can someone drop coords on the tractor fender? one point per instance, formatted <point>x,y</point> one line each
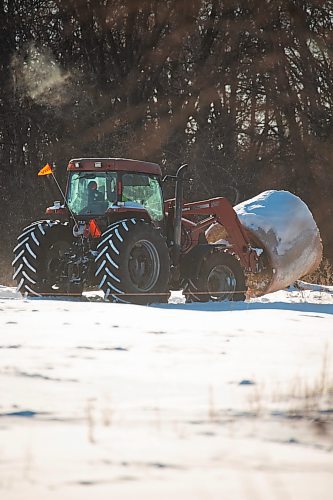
<point>129,210</point>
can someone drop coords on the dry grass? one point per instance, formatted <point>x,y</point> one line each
<point>323,275</point>
<point>312,397</point>
<point>303,398</point>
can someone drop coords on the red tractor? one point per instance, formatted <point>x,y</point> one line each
<point>115,232</point>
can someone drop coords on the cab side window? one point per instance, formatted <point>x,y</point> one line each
<point>146,191</point>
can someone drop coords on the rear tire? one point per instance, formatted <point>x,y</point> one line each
<point>37,263</point>
<point>133,264</point>
<point>218,277</point>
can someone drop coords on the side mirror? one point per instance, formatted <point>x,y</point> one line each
<point>179,174</point>
<point>169,177</point>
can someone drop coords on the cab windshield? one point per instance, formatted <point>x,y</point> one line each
<point>91,193</point>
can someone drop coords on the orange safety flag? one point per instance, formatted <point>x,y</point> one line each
<point>46,170</point>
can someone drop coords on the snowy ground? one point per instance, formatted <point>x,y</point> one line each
<point>211,401</point>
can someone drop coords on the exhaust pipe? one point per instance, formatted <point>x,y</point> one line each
<point>178,213</point>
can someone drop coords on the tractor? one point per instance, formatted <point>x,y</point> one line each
<point>115,232</point>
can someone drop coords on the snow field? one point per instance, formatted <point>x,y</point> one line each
<point>229,400</point>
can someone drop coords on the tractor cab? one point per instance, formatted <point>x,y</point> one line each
<point>99,186</point>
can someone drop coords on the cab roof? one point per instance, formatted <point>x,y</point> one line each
<point>115,164</point>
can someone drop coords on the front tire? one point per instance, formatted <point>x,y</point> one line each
<point>217,277</point>
<point>133,264</point>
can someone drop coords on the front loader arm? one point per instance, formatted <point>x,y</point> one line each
<point>219,210</point>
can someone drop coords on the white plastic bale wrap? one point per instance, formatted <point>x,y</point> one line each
<point>283,225</point>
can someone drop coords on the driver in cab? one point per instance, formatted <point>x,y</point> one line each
<point>93,193</point>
